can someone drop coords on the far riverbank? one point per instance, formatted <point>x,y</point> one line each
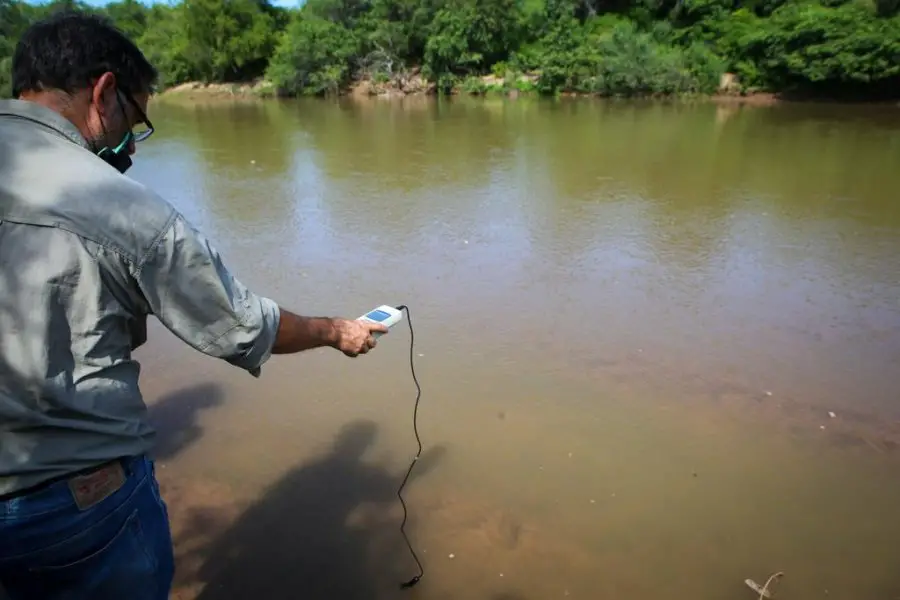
<point>415,86</point>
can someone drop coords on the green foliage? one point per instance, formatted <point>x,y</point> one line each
<point>130,16</point>
<point>808,45</point>
<point>608,47</point>
<point>313,56</point>
<point>165,46</point>
<point>206,40</point>
<point>613,57</point>
<point>12,23</point>
<point>5,77</point>
<point>468,37</point>
<point>225,40</point>
<point>474,86</point>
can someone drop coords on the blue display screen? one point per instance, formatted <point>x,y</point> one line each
<point>378,315</point>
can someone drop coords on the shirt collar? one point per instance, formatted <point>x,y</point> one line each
<point>41,115</point>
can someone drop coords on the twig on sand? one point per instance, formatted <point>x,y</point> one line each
<point>764,590</point>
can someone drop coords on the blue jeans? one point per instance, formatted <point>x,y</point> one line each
<point>119,548</point>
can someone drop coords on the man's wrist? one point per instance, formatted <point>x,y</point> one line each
<point>330,334</point>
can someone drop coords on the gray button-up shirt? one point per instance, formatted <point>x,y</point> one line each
<point>85,255</point>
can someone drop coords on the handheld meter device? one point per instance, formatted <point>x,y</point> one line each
<point>386,315</point>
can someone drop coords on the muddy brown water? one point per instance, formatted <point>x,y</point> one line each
<point>631,321</point>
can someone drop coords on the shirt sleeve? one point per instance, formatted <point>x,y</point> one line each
<point>190,290</point>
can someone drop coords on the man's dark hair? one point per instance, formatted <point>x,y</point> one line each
<point>70,49</point>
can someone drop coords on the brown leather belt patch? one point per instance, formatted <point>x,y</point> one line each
<point>90,489</point>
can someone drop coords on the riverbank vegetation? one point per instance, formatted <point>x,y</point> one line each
<point>825,48</point>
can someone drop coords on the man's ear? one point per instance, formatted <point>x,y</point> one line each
<point>103,94</point>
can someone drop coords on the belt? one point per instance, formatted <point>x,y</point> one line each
<point>87,471</point>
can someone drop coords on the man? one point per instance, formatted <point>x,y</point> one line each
<point>85,255</point>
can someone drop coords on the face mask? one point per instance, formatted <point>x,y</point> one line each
<point>118,157</point>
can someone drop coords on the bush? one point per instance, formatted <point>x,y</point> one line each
<point>313,57</point>
<point>624,61</point>
<point>474,86</point>
<point>467,38</point>
<point>809,45</point>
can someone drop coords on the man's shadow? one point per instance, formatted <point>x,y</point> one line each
<point>303,540</point>
<point>174,417</point>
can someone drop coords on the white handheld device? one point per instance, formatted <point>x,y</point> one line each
<point>386,315</point>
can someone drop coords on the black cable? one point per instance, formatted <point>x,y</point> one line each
<point>412,369</point>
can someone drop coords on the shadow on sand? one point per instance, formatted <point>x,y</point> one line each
<point>329,529</point>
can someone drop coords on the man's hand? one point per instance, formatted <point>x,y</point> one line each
<point>355,337</point>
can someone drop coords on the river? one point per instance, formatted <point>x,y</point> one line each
<point>658,346</point>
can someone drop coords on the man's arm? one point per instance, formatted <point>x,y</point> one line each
<point>187,286</point>
<point>297,333</point>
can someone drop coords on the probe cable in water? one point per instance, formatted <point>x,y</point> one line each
<point>412,369</point>
<point>390,316</point>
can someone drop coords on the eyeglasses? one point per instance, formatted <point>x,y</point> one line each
<point>143,129</point>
